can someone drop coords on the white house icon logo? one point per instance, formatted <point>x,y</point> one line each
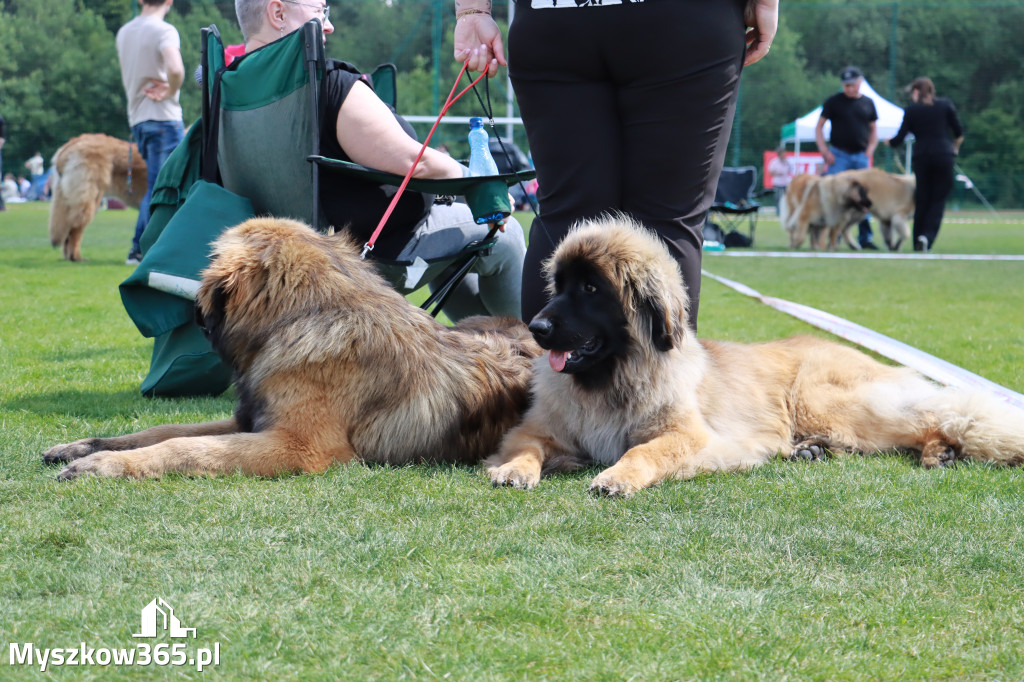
<point>160,612</point>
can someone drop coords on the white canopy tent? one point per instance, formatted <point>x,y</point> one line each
<point>890,117</point>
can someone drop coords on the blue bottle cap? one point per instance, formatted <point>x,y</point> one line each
<point>476,122</point>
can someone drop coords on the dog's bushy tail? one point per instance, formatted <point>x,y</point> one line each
<point>58,223</point>
<point>981,425</point>
<point>77,187</point>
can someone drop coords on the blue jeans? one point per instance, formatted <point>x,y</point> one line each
<point>847,161</point>
<point>156,141</point>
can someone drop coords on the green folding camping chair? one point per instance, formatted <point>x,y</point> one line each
<point>263,107</point>
<point>276,89</point>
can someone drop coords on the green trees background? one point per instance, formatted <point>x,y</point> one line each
<point>59,75</point>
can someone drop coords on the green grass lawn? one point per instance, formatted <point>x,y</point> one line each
<point>855,569</point>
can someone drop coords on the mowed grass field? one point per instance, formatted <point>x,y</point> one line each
<point>854,569</point>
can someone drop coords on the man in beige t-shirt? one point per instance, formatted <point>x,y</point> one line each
<point>152,72</point>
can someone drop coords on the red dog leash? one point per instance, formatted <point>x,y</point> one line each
<point>408,176</point>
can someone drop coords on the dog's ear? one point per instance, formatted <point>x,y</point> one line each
<point>860,192</point>
<point>864,198</point>
<point>664,319</point>
<point>660,325</point>
<point>211,319</point>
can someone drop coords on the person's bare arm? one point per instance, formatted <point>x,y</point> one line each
<point>872,139</point>
<point>819,138</point>
<point>160,90</point>
<point>371,136</point>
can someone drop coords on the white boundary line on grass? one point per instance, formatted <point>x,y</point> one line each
<point>877,256</point>
<point>929,365</point>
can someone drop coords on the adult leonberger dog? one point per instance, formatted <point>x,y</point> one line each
<point>86,169</point>
<point>822,208</point>
<point>331,364</point>
<point>826,207</point>
<point>627,384</point>
<point>892,201</point>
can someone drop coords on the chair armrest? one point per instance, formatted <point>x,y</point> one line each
<point>486,195</point>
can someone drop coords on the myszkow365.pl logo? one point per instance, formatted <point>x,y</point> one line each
<point>157,617</point>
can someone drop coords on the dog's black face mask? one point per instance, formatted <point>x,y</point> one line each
<point>584,326</point>
<point>858,197</point>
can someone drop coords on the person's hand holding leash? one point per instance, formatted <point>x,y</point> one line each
<point>478,40</point>
<point>762,20</point>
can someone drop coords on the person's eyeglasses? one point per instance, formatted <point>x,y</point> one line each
<point>323,8</point>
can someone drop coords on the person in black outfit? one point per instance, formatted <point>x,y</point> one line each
<point>628,107</point>
<point>938,134</point>
<point>854,135</point>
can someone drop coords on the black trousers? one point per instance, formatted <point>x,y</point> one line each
<point>934,174</point>
<point>628,108</point>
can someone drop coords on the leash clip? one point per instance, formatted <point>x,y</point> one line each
<point>367,248</point>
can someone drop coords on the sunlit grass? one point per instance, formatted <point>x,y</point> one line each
<point>852,569</point>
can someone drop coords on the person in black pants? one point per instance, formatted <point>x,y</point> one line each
<point>628,107</point>
<point>938,135</point>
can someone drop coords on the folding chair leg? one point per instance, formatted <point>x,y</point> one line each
<point>438,298</point>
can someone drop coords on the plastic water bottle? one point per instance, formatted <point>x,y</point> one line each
<point>480,160</point>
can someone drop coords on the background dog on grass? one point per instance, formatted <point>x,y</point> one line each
<point>822,208</point>
<point>892,202</point>
<point>331,364</point>
<point>626,384</point>
<point>826,207</point>
<point>86,169</point>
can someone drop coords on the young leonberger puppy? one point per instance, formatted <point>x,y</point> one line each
<point>331,364</point>
<point>627,384</point>
<point>86,169</point>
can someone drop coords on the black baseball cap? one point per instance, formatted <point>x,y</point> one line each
<point>849,74</point>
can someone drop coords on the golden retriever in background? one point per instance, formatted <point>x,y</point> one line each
<point>331,364</point>
<point>627,385</point>
<point>822,208</point>
<point>86,169</point>
<point>892,202</point>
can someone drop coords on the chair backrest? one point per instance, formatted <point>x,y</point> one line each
<point>263,118</point>
<point>736,184</point>
<point>385,83</point>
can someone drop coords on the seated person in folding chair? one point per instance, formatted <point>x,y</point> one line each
<point>359,127</point>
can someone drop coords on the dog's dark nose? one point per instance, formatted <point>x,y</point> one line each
<point>540,327</point>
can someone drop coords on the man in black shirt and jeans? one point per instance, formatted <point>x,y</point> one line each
<point>854,135</point>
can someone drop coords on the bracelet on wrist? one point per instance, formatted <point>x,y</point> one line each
<point>459,16</point>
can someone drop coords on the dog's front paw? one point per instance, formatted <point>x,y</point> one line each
<point>108,464</point>
<point>517,474</point>
<point>938,456</point>
<point>67,452</point>
<point>809,450</point>
<point>616,482</point>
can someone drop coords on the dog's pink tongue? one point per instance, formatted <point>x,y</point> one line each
<point>556,359</point>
